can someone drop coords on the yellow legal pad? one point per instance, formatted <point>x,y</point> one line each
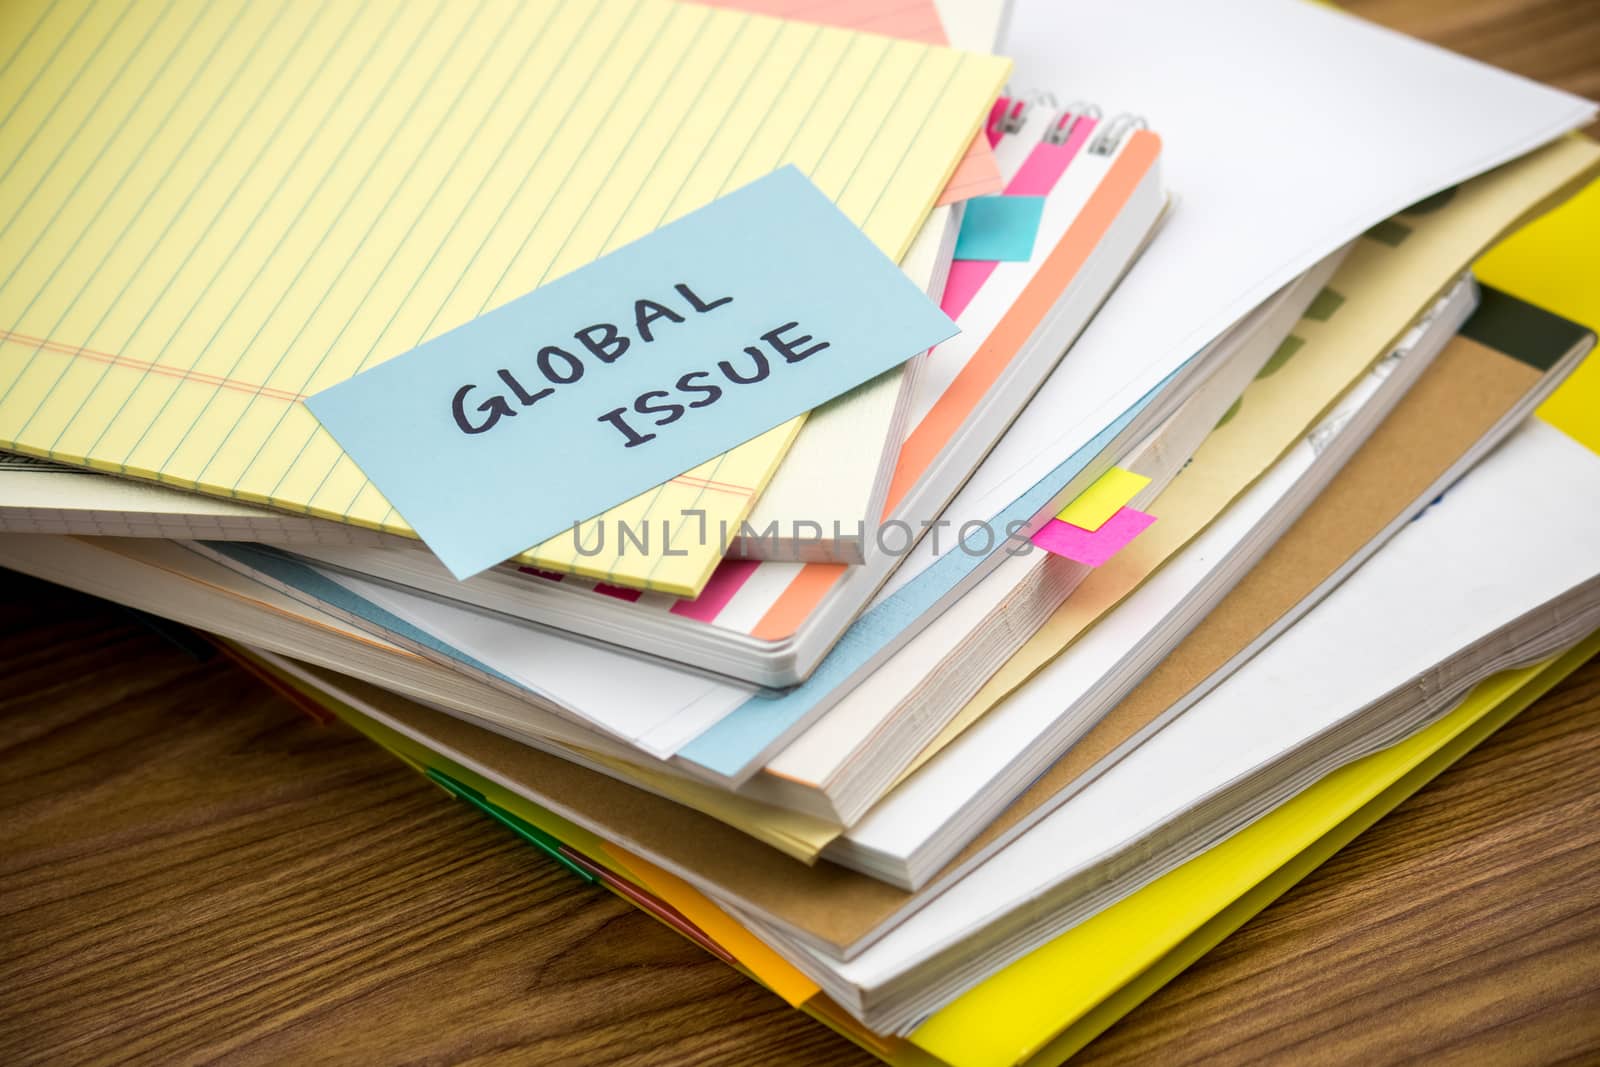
<point>210,210</point>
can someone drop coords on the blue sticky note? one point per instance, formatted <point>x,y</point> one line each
<point>999,228</point>
<point>629,371</point>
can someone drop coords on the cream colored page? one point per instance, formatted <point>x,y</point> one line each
<point>211,210</point>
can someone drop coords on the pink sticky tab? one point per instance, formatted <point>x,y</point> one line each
<point>549,576</point>
<point>726,580</point>
<point>1092,547</point>
<point>962,283</point>
<point>1046,163</point>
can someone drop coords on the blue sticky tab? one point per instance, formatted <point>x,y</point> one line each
<point>627,372</point>
<point>999,228</point>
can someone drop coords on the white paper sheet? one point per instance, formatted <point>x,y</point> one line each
<point>1288,129</point>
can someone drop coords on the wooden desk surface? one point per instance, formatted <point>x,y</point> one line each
<point>191,870</point>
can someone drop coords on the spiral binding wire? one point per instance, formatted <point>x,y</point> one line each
<point>1066,120</point>
<point>1011,121</point>
<point>1110,136</point>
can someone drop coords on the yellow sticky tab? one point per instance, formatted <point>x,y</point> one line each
<point>1109,494</point>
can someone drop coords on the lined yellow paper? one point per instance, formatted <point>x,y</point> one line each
<point>209,211</point>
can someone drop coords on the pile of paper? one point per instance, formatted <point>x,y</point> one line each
<point>928,541</point>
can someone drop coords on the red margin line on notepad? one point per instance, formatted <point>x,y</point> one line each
<point>112,358</point>
<point>149,368</point>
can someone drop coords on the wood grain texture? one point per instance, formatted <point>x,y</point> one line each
<point>190,870</point>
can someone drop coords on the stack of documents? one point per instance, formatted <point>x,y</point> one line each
<point>928,504</point>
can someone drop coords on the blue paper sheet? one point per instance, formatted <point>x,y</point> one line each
<point>629,371</point>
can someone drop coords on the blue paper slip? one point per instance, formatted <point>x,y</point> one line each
<point>629,371</point>
<point>999,228</point>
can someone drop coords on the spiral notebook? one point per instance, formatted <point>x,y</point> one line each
<point>220,208</point>
<point>828,493</point>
